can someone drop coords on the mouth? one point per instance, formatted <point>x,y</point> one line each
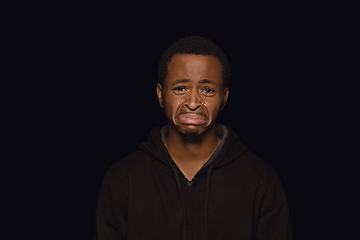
<point>191,119</point>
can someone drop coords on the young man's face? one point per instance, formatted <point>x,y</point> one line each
<point>193,94</point>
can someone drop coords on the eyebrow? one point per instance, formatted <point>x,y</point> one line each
<point>188,80</point>
<point>180,81</point>
<point>207,81</point>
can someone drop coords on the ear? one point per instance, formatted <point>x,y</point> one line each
<point>159,94</point>
<point>226,95</point>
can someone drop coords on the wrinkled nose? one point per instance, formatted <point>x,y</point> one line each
<point>193,102</point>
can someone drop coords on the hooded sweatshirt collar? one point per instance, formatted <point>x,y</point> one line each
<point>228,149</point>
<point>221,131</point>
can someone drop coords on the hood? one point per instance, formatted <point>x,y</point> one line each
<point>229,149</point>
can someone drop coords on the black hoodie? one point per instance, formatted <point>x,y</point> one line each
<point>235,195</point>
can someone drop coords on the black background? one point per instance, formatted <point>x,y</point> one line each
<point>290,102</point>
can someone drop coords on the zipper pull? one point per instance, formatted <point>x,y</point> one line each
<point>190,183</point>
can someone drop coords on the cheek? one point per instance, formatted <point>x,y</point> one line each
<point>172,104</point>
<point>213,106</point>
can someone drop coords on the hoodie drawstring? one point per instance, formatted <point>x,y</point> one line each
<point>207,189</point>
<point>182,200</point>
<point>207,200</point>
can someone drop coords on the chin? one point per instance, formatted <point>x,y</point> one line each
<point>192,132</point>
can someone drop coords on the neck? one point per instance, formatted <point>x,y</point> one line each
<point>191,154</point>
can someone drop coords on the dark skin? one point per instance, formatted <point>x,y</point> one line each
<point>192,97</point>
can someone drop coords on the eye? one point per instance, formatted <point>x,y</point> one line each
<point>208,91</point>
<point>179,90</point>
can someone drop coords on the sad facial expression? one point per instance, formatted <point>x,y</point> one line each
<point>192,94</point>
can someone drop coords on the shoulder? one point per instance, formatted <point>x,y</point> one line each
<point>254,168</point>
<point>119,175</point>
<point>255,163</point>
<point>134,161</point>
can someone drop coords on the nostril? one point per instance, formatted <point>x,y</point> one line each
<point>193,103</point>
<point>193,107</point>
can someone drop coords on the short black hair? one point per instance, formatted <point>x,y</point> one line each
<point>196,45</point>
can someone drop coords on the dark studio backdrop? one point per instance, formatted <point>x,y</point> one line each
<point>286,104</point>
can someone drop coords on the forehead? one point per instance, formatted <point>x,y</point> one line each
<point>194,67</point>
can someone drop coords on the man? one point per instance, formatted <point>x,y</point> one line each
<point>192,179</point>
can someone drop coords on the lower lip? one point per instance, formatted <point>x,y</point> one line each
<point>191,121</point>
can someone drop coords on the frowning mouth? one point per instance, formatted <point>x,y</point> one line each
<point>191,118</point>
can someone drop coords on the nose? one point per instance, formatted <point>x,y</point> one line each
<point>193,102</point>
